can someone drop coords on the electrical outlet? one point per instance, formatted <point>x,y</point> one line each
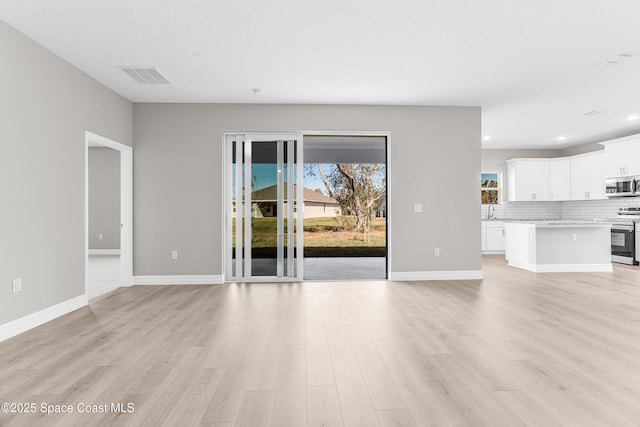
<point>436,251</point>
<point>99,236</point>
<point>574,236</point>
<point>17,285</point>
<point>174,254</point>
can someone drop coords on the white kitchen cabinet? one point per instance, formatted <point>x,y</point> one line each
<point>579,177</point>
<point>587,176</point>
<point>633,153</point>
<point>483,233</point>
<point>528,180</point>
<point>559,179</point>
<point>622,158</point>
<point>616,159</point>
<point>493,236</point>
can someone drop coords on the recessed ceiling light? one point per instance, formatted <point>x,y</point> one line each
<point>257,91</point>
<point>486,138</point>
<point>561,138</point>
<point>633,117</point>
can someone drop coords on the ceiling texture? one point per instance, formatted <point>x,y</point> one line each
<point>540,69</point>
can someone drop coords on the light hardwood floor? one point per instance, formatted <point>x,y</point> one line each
<point>517,348</point>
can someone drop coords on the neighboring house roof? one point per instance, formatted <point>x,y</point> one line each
<point>269,194</point>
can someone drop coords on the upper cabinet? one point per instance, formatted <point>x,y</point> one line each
<point>587,176</point>
<point>559,179</point>
<point>578,177</point>
<point>622,157</point>
<point>528,180</point>
<point>616,160</point>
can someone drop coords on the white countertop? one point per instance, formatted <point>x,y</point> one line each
<point>509,219</point>
<point>570,224</point>
<point>560,223</point>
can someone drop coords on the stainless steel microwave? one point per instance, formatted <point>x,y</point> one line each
<point>620,187</point>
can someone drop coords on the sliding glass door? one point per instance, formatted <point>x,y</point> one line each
<point>264,209</point>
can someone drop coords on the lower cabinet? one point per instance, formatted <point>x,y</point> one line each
<point>492,236</point>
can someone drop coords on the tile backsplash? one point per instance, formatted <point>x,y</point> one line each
<point>581,210</point>
<point>590,209</point>
<point>525,210</point>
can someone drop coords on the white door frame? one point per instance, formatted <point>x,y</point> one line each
<point>225,152</point>
<point>228,214</point>
<point>126,207</point>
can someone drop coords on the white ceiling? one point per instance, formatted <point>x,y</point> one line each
<point>528,63</point>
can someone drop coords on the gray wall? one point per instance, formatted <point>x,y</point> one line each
<point>581,149</point>
<point>178,169</point>
<point>104,198</point>
<point>45,107</point>
<point>493,159</point>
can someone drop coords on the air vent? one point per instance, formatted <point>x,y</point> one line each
<point>613,60</point>
<point>146,75</point>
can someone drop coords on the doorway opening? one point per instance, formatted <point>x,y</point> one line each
<point>347,239</point>
<point>108,215</point>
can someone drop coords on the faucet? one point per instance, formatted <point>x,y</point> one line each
<point>491,213</point>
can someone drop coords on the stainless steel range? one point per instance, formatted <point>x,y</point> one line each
<point>625,236</point>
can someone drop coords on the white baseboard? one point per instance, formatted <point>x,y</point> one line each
<point>104,251</point>
<point>572,268</point>
<point>179,280</point>
<point>436,275</point>
<point>38,318</point>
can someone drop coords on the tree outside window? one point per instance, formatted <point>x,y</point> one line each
<point>489,188</point>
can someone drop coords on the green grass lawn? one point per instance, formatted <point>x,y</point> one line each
<point>323,237</point>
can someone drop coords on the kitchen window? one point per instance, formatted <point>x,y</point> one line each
<point>489,188</point>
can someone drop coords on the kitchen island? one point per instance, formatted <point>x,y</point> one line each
<point>558,246</point>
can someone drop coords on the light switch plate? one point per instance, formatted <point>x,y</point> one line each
<point>417,208</point>
<point>17,285</point>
